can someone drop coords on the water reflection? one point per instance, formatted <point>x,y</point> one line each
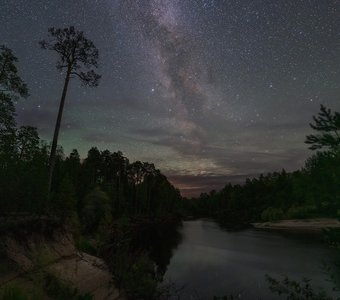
<point>159,242</point>
<point>211,261</point>
<point>163,247</point>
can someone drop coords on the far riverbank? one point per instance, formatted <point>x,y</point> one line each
<point>308,225</point>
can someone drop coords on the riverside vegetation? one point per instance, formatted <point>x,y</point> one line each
<point>310,192</point>
<point>119,210</point>
<point>94,196</point>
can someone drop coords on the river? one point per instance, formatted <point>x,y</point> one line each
<point>210,261</point>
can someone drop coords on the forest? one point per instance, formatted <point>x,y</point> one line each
<point>105,200</point>
<point>311,192</point>
<point>73,183</point>
<point>139,188</point>
<point>126,206</point>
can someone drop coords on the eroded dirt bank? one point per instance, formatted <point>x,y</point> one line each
<point>31,245</point>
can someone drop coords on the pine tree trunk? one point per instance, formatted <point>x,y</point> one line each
<point>56,134</point>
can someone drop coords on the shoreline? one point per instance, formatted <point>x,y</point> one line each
<point>306,225</point>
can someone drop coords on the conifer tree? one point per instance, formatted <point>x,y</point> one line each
<point>76,53</point>
<point>328,124</point>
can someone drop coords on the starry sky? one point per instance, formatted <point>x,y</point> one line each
<point>211,91</point>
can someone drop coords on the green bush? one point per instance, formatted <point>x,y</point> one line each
<point>338,213</point>
<point>42,257</point>
<point>96,214</point>
<point>84,245</point>
<point>64,202</point>
<point>271,214</point>
<point>14,293</point>
<point>135,274</point>
<point>301,212</point>
<point>294,290</point>
<point>60,290</point>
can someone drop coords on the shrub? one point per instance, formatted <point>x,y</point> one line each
<point>60,290</point>
<point>64,204</point>
<point>271,214</point>
<point>136,275</point>
<point>301,212</point>
<point>14,293</point>
<point>96,213</point>
<point>84,245</point>
<point>294,290</point>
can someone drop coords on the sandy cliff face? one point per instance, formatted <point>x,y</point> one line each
<point>28,245</point>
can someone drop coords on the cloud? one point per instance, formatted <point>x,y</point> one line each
<point>151,132</point>
<point>45,120</point>
<point>233,167</point>
<point>99,137</point>
<point>192,186</point>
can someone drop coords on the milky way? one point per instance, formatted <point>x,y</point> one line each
<point>210,91</point>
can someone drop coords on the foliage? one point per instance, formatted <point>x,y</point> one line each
<point>10,81</point>
<point>138,253</point>
<point>310,192</point>
<point>96,211</point>
<point>136,274</point>
<point>328,124</point>
<point>11,88</point>
<point>60,290</point>
<point>302,212</point>
<point>84,245</point>
<point>332,237</point>
<point>103,186</point>
<point>7,128</point>
<point>27,140</point>
<point>271,214</point>
<point>294,290</point>
<point>14,293</point>
<point>106,185</point>
<point>76,53</point>
<point>29,173</point>
<point>65,201</point>
<point>50,286</point>
<point>41,258</point>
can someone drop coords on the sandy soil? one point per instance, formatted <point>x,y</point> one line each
<point>88,274</point>
<point>301,224</point>
<point>38,243</point>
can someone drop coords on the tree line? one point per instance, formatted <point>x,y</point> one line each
<point>139,188</point>
<point>312,191</point>
<point>36,177</point>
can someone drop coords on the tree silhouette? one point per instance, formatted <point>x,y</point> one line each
<point>10,82</point>
<point>11,88</point>
<point>328,124</point>
<point>75,53</point>
<point>27,142</point>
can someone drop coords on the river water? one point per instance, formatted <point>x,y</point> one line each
<point>210,261</point>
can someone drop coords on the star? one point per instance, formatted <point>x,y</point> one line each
<point>184,79</point>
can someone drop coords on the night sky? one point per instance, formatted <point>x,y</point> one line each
<point>209,91</point>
